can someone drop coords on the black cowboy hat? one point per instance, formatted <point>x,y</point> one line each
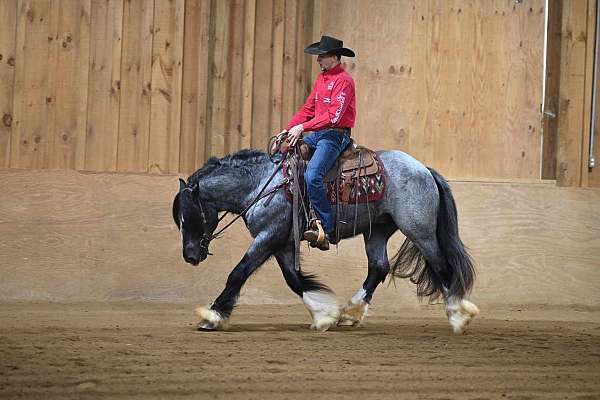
<point>330,45</point>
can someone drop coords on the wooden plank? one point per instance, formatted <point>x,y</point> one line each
<point>104,96</point>
<point>8,31</point>
<point>550,124</point>
<point>136,74</point>
<point>33,101</point>
<point>319,15</point>
<point>290,47</point>
<point>572,88</point>
<point>303,61</point>
<point>234,88</point>
<point>195,85</point>
<point>218,84</point>
<point>72,48</point>
<point>262,99</point>
<point>277,65</point>
<point>248,73</point>
<point>167,71</point>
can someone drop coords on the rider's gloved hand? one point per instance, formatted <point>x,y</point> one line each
<point>295,133</point>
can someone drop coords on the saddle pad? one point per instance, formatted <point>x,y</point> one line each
<point>363,185</point>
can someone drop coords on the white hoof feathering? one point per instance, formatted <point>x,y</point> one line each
<point>460,313</point>
<point>210,319</point>
<point>323,308</point>
<point>355,311</point>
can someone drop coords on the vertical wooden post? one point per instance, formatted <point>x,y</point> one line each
<point>8,31</point>
<point>248,73</point>
<point>550,117</point>
<point>104,93</point>
<point>167,70</point>
<point>572,88</point>
<point>70,81</point>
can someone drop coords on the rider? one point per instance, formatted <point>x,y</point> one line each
<point>329,113</point>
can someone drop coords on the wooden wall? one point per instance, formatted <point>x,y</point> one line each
<point>145,85</point>
<point>458,84</point>
<point>105,236</point>
<point>158,86</point>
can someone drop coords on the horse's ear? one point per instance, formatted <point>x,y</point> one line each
<point>182,184</point>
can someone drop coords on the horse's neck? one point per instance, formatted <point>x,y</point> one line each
<point>230,192</point>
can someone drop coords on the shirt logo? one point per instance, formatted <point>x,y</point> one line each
<point>330,86</point>
<point>327,100</point>
<point>341,99</point>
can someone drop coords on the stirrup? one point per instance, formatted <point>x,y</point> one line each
<point>317,234</point>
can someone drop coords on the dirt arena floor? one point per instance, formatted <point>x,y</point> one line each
<point>149,350</point>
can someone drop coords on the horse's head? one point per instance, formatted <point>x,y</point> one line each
<point>196,221</point>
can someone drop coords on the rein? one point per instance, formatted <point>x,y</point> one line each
<point>241,214</point>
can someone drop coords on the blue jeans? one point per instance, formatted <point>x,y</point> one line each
<point>328,145</point>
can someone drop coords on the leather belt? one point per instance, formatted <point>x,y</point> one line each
<point>346,131</point>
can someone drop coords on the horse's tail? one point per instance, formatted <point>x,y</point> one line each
<point>456,275</point>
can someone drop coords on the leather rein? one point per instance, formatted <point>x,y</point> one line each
<point>206,239</point>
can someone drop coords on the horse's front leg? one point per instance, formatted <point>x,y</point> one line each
<point>317,297</point>
<point>217,315</point>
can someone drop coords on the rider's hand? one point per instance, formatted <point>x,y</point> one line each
<point>276,143</point>
<point>295,133</point>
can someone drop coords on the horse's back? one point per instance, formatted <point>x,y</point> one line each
<point>402,167</point>
<point>410,185</point>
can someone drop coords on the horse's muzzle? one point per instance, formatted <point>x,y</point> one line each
<point>193,256</point>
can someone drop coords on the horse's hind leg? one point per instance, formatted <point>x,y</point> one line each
<point>459,311</point>
<point>317,297</point>
<point>355,310</point>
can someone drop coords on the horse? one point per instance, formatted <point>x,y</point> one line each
<point>417,201</point>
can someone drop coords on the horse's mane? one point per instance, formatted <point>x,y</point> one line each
<point>242,162</point>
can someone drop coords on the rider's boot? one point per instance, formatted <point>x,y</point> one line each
<point>317,236</point>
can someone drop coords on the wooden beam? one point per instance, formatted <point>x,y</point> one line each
<point>8,31</point>
<point>71,72</point>
<point>248,73</point>
<point>104,94</point>
<point>550,123</point>
<point>136,86</point>
<point>571,92</point>
<point>235,57</point>
<point>195,81</point>
<point>167,71</point>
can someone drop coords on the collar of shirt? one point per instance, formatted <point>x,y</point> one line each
<point>333,71</point>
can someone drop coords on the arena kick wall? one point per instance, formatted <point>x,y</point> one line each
<point>72,236</point>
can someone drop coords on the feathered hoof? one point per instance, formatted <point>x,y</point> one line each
<point>460,314</point>
<point>210,320</point>
<point>322,323</point>
<point>353,314</point>
<point>323,308</point>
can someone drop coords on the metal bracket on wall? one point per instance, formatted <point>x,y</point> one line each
<point>591,158</point>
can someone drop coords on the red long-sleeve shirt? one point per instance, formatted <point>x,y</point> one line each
<point>331,104</point>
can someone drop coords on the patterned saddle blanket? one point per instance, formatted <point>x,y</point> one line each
<point>356,177</point>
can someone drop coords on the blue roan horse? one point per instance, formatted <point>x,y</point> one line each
<point>417,201</point>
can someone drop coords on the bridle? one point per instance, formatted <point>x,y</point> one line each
<point>206,238</point>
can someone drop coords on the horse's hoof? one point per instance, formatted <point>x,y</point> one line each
<point>323,308</point>
<point>353,314</point>
<point>460,314</point>
<point>210,320</point>
<point>206,326</point>
<point>322,323</point>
